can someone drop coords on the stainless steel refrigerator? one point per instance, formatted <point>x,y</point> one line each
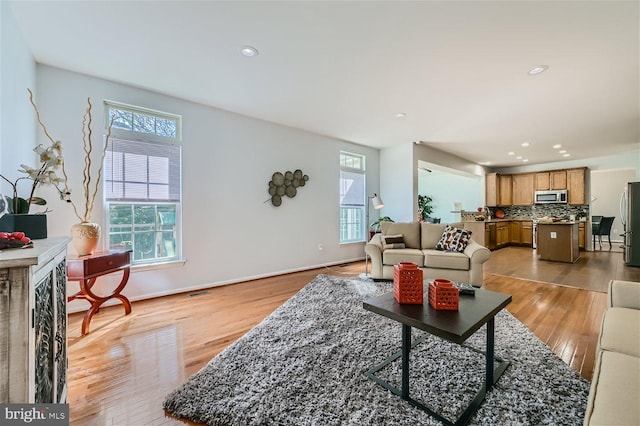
<point>630,216</point>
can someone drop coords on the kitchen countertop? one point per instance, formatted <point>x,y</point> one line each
<point>494,220</point>
<point>559,223</point>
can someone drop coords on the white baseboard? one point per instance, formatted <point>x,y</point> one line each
<point>114,302</point>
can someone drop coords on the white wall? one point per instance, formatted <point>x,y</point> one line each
<point>606,189</point>
<point>229,232</point>
<point>447,189</point>
<point>398,183</point>
<point>17,124</point>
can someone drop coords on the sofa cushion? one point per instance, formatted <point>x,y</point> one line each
<point>446,260</point>
<point>615,390</point>
<point>395,241</point>
<point>454,239</point>
<point>621,331</point>
<point>430,234</point>
<point>410,231</point>
<point>395,256</point>
<point>624,294</point>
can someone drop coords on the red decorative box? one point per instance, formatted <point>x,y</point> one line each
<point>407,283</point>
<point>443,295</point>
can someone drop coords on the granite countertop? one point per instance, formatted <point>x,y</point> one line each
<point>516,219</point>
<point>494,220</point>
<point>561,222</point>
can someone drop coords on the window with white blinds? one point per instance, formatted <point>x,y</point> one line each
<point>142,171</point>
<point>143,183</point>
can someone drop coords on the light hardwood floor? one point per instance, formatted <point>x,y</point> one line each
<point>120,373</point>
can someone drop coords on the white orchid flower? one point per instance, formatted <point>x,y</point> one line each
<point>30,171</point>
<point>39,149</point>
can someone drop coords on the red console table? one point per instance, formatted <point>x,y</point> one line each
<point>87,269</point>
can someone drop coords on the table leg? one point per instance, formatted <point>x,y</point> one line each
<point>97,301</point>
<point>406,348</point>
<point>489,355</point>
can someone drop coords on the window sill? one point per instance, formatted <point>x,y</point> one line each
<point>158,265</point>
<point>352,243</point>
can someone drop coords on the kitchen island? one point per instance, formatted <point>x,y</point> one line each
<point>558,241</point>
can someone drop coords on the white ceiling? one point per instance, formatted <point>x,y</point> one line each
<point>458,70</point>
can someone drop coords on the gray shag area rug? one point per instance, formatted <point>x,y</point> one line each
<point>305,364</point>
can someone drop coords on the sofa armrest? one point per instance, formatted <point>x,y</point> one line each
<point>624,294</point>
<point>477,253</point>
<point>374,250</point>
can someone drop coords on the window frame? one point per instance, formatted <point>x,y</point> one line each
<point>152,138</point>
<point>142,136</point>
<point>361,170</point>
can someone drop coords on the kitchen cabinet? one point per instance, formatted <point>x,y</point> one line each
<point>558,241</point>
<point>576,186</point>
<point>502,234</point>
<point>526,233</point>
<point>558,179</point>
<point>33,338</point>
<point>490,235</point>
<point>542,181</point>
<point>519,189</point>
<point>523,187</point>
<point>521,233</point>
<point>514,232</point>
<point>498,189</point>
<point>555,179</point>
<point>504,190</point>
<point>491,189</point>
<point>581,236</point>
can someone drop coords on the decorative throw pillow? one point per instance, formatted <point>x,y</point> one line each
<point>395,241</point>
<point>454,239</point>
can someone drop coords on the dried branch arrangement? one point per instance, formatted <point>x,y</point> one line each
<point>90,191</point>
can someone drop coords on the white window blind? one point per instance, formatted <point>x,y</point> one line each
<point>142,171</point>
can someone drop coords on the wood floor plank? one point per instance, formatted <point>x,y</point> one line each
<point>123,369</point>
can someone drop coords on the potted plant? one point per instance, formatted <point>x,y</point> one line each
<point>425,207</point>
<point>17,207</point>
<point>375,226</point>
<point>86,233</point>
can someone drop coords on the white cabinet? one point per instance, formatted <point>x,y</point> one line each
<point>33,323</point>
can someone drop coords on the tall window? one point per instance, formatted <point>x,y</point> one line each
<point>352,197</point>
<point>143,181</point>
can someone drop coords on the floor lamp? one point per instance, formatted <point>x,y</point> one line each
<point>377,204</point>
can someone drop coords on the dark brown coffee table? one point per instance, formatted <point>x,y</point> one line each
<point>455,326</point>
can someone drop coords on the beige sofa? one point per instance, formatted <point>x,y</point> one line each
<point>615,387</point>
<point>420,239</point>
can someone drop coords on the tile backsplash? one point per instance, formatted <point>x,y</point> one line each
<point>561,211</point>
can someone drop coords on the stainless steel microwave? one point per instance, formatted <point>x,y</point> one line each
<point>551,197</point>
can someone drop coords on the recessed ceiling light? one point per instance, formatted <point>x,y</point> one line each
<point>525,144</point>
<point>539,69</point>
<point>562,151</point>
<point>519,157</point>
<point>485,163</point>
<point>525,161</point>
<point>511,153</point>
<point>566,155</point>
<point>557,146</point>
<point>249,51</point>
<point>401,115</point>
